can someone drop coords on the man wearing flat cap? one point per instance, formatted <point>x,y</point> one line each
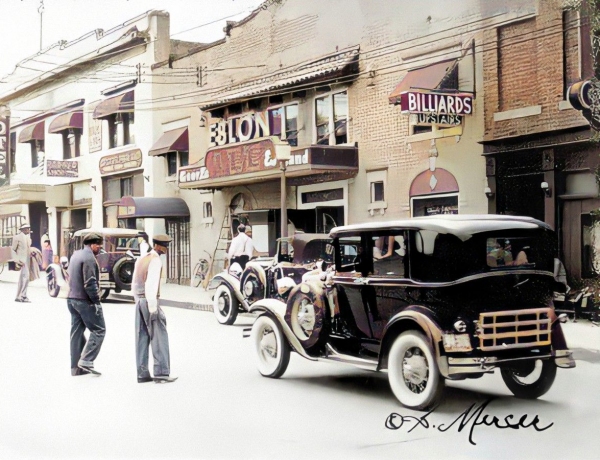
<point>150,321</point>
<point>85,307</point>
<point>21,246</point>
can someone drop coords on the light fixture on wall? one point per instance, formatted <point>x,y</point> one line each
<point>546,188</point>
<point>488,192</point>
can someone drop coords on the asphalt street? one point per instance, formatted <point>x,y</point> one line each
<point>222,408</point>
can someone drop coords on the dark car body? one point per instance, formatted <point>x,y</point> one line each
<point>473,293</point>
<point>116,260</point>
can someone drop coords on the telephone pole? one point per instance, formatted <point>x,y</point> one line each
<point>41,11</point>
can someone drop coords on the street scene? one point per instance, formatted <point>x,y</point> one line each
<point>221,407</point>
<point>300,228</point>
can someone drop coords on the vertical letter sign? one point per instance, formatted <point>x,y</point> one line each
<point>4,138</point>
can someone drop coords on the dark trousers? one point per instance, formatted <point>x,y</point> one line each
<point>242,260</point>
<point>158,340</point>
<point>84,315</point>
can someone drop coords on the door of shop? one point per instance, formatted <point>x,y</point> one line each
<point>178,256</point>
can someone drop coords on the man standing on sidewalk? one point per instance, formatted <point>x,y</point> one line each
<point>21,245</point>
<point>84,306</point>
<point>150,321</point>
<point>241,248</point>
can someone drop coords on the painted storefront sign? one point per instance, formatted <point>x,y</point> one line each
<point>436,103</point>
<point>59,168</point>
<point>121,162</point>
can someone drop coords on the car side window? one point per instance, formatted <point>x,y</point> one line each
<point>389,254</point>
<point>349,254</point>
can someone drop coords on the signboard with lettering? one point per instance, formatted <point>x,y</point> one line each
<point>436,103</point>
<point>4,149</point>
<point>59,168</point>
<point>121,162</point>
<point>94,130</point>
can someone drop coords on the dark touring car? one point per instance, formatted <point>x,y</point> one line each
<point>427,299</point>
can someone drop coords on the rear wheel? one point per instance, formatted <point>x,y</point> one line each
<point>225,305</point>
<point>272,348</point>
<point>123,273</point>
<point>530,380</point>
<point>413,372</point>
<point>200,272</point>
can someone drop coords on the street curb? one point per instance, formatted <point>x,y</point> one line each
<point>171,303</point>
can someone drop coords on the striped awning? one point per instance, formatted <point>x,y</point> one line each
<point>33,132</point>
<point>66,121</point>
<point>118,104</point>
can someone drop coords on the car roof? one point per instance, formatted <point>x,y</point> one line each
<point>461,225</point>
<point>108,231</point>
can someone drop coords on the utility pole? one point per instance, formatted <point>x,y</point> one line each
<point>41,11</point>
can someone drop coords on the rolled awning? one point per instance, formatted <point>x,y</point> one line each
<point>118,104</point>
<point>175,140</point>
<point>141,207</point>
<point>32,133</point>
<point>66,121</point>
<point>430,77</point>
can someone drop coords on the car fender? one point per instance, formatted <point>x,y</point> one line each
<point>230,281</point>
<point>422,319</point>
<point>61,280</point>
<point>276,309</point>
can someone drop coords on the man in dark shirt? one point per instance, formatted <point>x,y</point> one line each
<point>84,306</point>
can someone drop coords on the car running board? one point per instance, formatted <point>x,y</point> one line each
<point>331,354</point>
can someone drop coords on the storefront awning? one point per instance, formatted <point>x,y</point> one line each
<point>339,64</point>
<point>430,77</point>
<point>32,133</point>
<point>141,207</point>
<point>22,193</point>
<point>175,140</point>
<point>118,104</point>
<point>224,167</point>
<point>66,121</point>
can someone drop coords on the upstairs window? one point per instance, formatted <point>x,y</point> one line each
<point>331,119</point>
<point>284,123</point>
<point>176,160</point>
<point>121,129</point>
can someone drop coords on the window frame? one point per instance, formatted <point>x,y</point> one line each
<point>331,122</point>
<point>284,135</point>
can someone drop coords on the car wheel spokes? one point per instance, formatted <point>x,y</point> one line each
<point>268,344</point>
<point>306,316</point>
<point>415,370</point>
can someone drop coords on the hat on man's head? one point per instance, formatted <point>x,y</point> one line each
<point>162,240</point>
<point>92,238</point>
<point>25,225</point>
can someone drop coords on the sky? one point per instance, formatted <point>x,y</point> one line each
<point>70,19</point>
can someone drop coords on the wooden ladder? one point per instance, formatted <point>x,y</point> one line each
<point>219,258</point>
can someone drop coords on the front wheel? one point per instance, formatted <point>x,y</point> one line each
<point>529,380</point>
<point>413,372</point>
<point>200,272</point>
<point>225,305</point>
<point>272,348</point>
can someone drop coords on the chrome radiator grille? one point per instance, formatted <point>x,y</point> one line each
<point>505,330</point>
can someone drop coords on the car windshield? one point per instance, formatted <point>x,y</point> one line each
<point>316,250</point>
<point>121,243</point>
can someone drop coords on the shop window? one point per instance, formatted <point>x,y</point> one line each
<point>590,245</point>
<point>121,129</point>
<point>114,189</point>
<point>331,119</point>
<point>176,160</point>
<point>37,153</point>
<point>13,152</point>
<point>377,185</point>
<point>71,143</point>
<point>433,205</point>
<point>284,123</point>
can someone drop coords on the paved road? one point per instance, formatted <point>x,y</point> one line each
<point>222,408</point>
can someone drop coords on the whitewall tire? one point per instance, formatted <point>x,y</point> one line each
<point>225,305</point>
<point>272,348</point>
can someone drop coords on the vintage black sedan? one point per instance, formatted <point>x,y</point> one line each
<point>427,299</point>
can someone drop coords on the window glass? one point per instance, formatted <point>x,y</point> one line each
<point>275,117</point>
<point>377,192</point>
<point>340,113</point>
<point>130,128</point>
<point>184,158</point>
<point>349,255</point>
<point>323,109</point>
<point>127,186</point>
<point>113,189</point>
<point>389,251</point>
<point>171,163</point>
<point>590,245</point>
<point>291,124</point>
<point>510,252</point>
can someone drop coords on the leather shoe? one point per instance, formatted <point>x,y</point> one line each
<point>164,379</point>
<point>145,379</point>
<point>26,300</point>
<point>18,300</point>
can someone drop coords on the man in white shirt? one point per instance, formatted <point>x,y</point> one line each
<point>241,248</point>
<point>21,245</point>
<point>150,321</point>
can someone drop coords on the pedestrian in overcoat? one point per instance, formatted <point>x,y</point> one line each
<point>21,245</point>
